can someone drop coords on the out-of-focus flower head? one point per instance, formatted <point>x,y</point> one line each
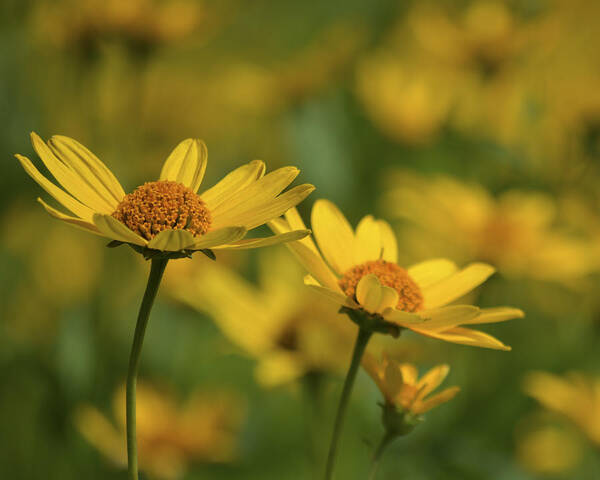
<point>482,36</point>
<point>166,217</point>
<point>545,448</point>
<point>170,435</point>
<point>140,24</point>
<point>564,75</point>
<point>575,395</point>
<point>417,79</point>
<point>358,271</point>
<point>517,231</point>
<point>287,329</point>
<point>407,102</point>
<point>526,80</point>
<point>407,397</point>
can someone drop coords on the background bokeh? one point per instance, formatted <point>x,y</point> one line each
<point>472,126</point>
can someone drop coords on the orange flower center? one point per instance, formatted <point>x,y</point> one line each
<point>410,298</point>
<point>157,206</point>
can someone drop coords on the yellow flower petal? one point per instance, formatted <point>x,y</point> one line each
<point>393,381</point>
<point>389,245</point>
<point>294,219</point>
<point>232,183</point>
<point>497,314</point>
<point>266,241</point>
<point>88,166</point>
<point>367,244</point>
<point>334,295</point>
<point>401,318</point>
<point>112,228</point>
<point>60,195</point>
<point>456,285</point>
<point>465,336</point>
<point>431,380</point>
<point>186,164</point>
<point>374,370</point>
<point>172,240</point>
<point>389,299</point>
<point>432,402</point>
<point>409,373</point>
<point>253,214</point>
<point>223,236</point>
<point>256,193</point>
<point>555,392</point>
<point>314,264</point>
<point>431,271</point>
<point>76,222</point>
<point>368,293</point>
<point>447,317</point>
<point>334,235</point>
<point>306,252</point>
<point>373,296</point>
<point>69,179</point>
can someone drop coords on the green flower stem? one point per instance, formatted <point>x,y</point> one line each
<point>385,441</point>
<point>157,269</point>
<point>362,339</point>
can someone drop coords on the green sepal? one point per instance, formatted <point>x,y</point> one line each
<point>151,254</point>
<point>209,253</point>
<point>114,243</point>
<point>372,322</point>
<point>397,421</point>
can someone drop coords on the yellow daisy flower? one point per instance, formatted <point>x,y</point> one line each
<point>359,272</point>
<point>171,435</point>
<point>166,215</point>
<point>403,389</point>
<point>576,396</point>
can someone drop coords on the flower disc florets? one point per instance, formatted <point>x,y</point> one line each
<point>410,298</point>
<point>157,206</point>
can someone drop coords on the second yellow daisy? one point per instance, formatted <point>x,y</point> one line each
<point>358,270</point>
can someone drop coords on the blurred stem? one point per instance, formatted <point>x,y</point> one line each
<point>313,388</point>
<point>157,269</point>
<point>362,339</point>
<point>385,441</point>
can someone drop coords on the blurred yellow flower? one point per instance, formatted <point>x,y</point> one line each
<point>406,102</point>
<point>170,435</point>
<point>481,36</point>
<point>403,389</point>
<point>289,330</point>
<point>142,23</point>
<point>516,231</point>
<point>166,215</point>
<point>364,276</point>
<point>547,449</point>
<point>527,81</point>
<point>438,67</point>
<point>575,395</point>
